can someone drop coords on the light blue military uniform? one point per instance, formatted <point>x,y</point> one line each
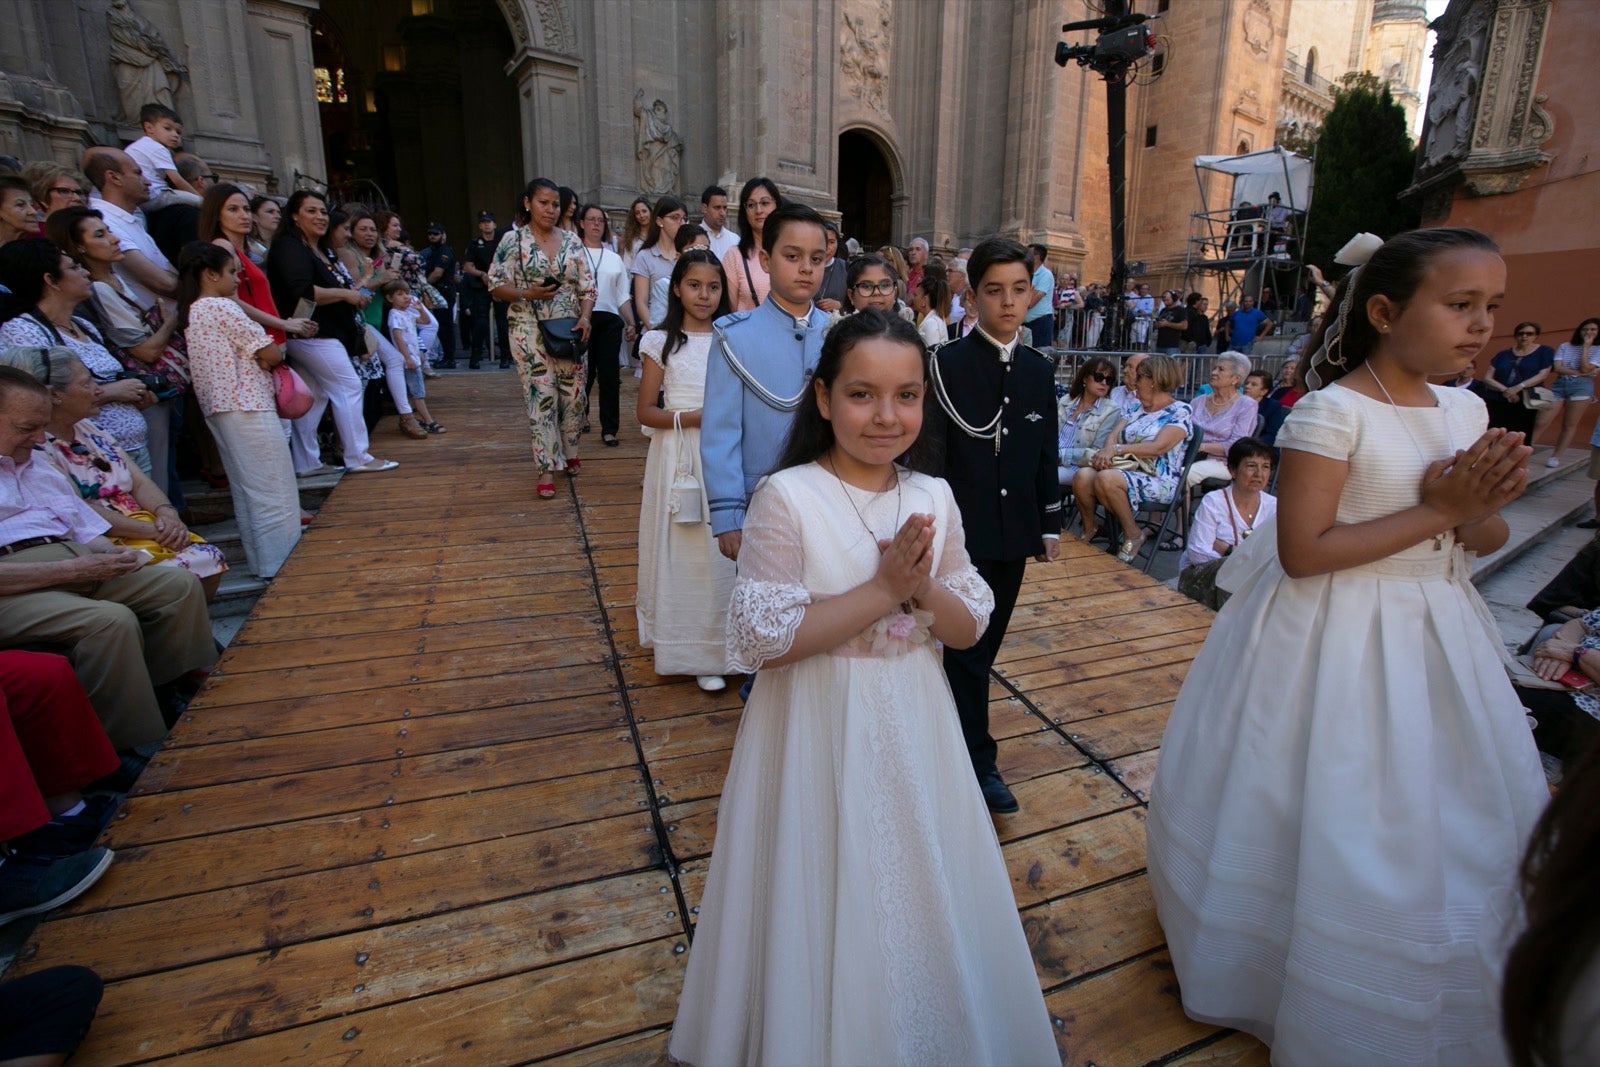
<point>750,407</point>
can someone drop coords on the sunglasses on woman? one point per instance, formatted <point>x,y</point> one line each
<point>1104,377</point>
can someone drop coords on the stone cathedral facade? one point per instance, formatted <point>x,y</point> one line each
<point>945,119</point>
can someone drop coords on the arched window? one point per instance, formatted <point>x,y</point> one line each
<point>1311,65</point>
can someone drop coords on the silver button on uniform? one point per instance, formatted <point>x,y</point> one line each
<point>1002,492</point>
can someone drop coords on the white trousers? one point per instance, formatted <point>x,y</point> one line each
<point>332,379</point>
<point>266,500</point>
<point>394,375</point>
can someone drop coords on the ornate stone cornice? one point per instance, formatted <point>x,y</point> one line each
<point>1485,122</point>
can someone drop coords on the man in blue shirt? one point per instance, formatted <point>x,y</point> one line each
<point>1246,324</point>
<point>1041,318</point>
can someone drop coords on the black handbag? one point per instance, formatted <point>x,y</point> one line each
<point>561,340</point>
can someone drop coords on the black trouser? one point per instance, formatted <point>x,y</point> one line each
<point>477,305</point>
<point>605,347</point>
<point>47,1013</point>
<point>502,331</point>
<point>447,331</point>
<point>968,669</point>
<point>1564,730</point>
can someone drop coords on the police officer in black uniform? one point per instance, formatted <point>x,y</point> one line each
<point>439,268</point>
<point>475,293</point>
<point>992,435</point>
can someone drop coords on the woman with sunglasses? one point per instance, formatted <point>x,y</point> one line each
<point>46,287</point>
<point>1514,371</point>
<point>1086,415</point>
<point>140,514</point>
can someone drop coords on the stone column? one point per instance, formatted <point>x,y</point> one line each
<point>282,96</point>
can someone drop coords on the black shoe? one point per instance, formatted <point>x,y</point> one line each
<point>68,835</point>
<point>1589,524</point>
<point>996,794</point>
<point>123,778</point>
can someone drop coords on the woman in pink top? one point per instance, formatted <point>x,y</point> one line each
<point>231,359</point>
<point>1225,415</point>
<point>747,279</point>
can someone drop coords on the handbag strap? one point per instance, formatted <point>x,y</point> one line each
<point>744,261</point>
<point>1227,498</point>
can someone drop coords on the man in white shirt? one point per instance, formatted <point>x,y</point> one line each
<point>128,627</point>
<point>120,189</point>
<point>714,219</point>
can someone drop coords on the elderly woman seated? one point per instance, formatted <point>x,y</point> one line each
<point>140,514</point>
<point>1087,415</point>
<point>1225,518</point>
<point>1568,718</point>
<point>1225,415</point>
<point>1142,466</point>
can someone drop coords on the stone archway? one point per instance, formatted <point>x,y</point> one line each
<point>869,188</point>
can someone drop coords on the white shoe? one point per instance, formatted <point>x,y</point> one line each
<point>711,683</point>
<point>1552,462</point>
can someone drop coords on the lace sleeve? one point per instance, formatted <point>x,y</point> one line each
<point>651,344</point>
<point>1322,423</point>
<point>956,572</point>
<point>769,599</point>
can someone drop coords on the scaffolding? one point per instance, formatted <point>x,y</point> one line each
<point>1240,246</point>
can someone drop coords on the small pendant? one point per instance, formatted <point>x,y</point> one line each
<point>1438,542</point>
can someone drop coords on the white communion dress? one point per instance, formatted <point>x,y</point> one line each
<point>857,909</point>
<point>1347,777</point>
<point>684,581</point>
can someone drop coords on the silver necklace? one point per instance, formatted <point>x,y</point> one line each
<point>1450,439</point>
<point>851,497</point>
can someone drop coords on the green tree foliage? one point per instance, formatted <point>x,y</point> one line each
<point>1365,158</point>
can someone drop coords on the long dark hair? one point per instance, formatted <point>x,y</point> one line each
<point>567,200</point>
<point>1396,271</point>
<point>24,265</point>
<point>672,322</point>
<point>287,227</point>
<point>747,232</point>
<point>811,436</point>
<point>196,258</point>
<point>1577,335</point>
<point>211,210</point>
<point>1562,936</point>
<point>665,206</point>
<point>631,230</point>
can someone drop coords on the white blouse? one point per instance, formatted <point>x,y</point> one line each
<point>610,279</point>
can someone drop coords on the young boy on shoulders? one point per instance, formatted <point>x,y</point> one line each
<point>759,369</point>
<point>992,432</point>
<point>163,135</point>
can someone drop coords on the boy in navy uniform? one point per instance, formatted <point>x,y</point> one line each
<point>992,435</point>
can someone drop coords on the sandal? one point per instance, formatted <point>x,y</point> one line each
<point>1173,544</point>
<point>574,468</point>
<point>434,427</point>
<point>1130,548</point>
<point>546,490</point>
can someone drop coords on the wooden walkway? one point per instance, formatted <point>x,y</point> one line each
<point>436,807</point>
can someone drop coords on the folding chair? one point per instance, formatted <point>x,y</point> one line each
<point>1145,515</point>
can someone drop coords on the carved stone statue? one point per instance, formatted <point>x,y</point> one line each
<point>145,69</point>
<point>864,53</point>
<point>660,147</point>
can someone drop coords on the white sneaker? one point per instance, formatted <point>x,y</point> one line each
<point>711,683</point>
<point>1552,462</point>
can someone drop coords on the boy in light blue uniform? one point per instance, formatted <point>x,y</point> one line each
<point>760,366</point>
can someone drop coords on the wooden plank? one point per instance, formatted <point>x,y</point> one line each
<point>357,787</point>
<point>278,604</point>
<point>1109,693</point>
<point>581,627</point>
<point>1136,772</point>
<point>223,714</point>
<point>449,613</point>
<point>266,916</point>
<point>1108,736</point>
<point>1128,1015</point>
<point>190,865</point>
<point>685,736</point>
<point>246,996</point>
<point>1078,637</point>
<point>648,1049</point>
<point>240,760</point>
<point>1064,861</point>
<point>1086,932</point>
<point>511,1020</point>
<point>1233,1050</point>
<point>1061,799</point>
<point>1143,655</point>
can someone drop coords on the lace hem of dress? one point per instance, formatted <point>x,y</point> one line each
<point>970,588</point>
<point>762,620</point>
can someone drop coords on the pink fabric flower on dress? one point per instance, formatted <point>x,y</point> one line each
<point>897,634</point>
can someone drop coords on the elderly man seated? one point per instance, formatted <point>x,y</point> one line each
<point>128,627</point>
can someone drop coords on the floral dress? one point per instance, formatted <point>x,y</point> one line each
<point>554,388</point>
<point>1157,488</point>
<point>368,365</point>
<point>100,471</point>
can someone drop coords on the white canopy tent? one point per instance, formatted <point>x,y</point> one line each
<point>1256,174</point>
